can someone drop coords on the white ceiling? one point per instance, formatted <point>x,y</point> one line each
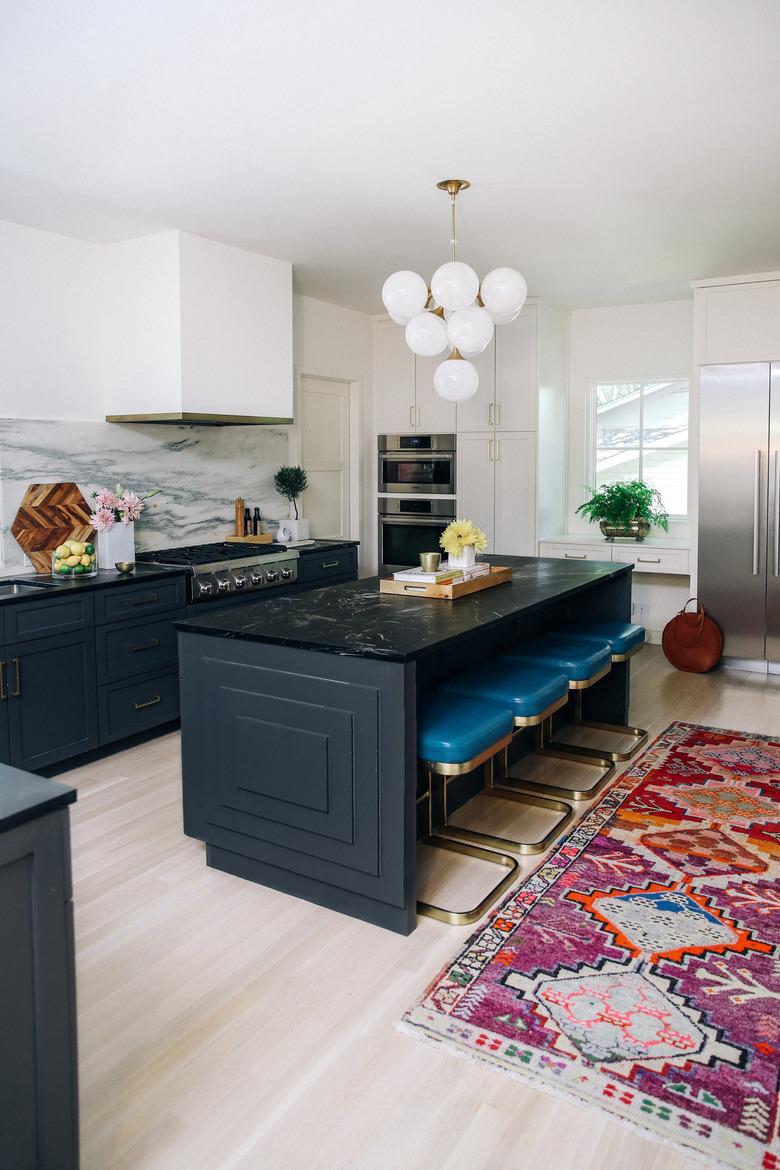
<point>616,148</point>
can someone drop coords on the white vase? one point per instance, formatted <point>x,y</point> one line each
<point>292,530</point>
<point>466,560</point>
<point>118,544</point>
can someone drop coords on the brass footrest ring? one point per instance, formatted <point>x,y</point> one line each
<point>524,848</point>
<point>637,733</point>
<point>466,917</point>
<point>557,790</point>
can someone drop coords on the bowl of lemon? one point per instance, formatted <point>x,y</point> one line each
<point>73,558</point>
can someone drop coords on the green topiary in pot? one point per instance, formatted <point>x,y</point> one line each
<point>291,482</point>
<point>625,509</point>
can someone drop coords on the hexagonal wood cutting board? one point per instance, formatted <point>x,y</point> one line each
<point>49,514</point>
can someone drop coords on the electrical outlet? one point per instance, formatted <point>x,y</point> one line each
<point>644,609</point>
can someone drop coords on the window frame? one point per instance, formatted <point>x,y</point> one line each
<point>592,430</point>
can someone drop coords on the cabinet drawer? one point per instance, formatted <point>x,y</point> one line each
<point>135,601</point>
<point>129,648</point>
<point>653,560</point>
<point>127,707</point>
<point>321,567</point>
<point>51,615</point>
<point>575,552</point>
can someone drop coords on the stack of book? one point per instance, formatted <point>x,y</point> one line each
<point>444,575</point>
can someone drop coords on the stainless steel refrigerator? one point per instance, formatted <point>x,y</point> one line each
<point>739,508</point>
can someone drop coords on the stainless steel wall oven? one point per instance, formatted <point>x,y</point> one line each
<point>417,464</point>
<point>410,527</point>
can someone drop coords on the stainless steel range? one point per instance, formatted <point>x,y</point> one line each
<point>224,572</point>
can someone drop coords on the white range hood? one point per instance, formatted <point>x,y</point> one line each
<point>197,332</point>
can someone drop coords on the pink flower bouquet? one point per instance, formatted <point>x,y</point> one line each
<point>118,506</point>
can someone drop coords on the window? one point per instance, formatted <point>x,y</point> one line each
<point>640,431</point>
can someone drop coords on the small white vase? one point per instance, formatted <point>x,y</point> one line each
<point>466,560</point>
<point>292,530</point>
<point>118,544</point>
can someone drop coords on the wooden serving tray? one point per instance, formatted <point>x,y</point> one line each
<point>498,575</point>
<point>264,538</point>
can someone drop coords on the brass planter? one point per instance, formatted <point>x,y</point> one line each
<point>637,529</point>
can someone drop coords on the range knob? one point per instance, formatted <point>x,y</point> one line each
<point>223,584</point>
<point>271,576</point>
<point>287,574</point>
<point>239,580</point>
<point>255,577</point>
<point>204,587</point>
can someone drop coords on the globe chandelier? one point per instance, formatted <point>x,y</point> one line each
<point>456,312</point>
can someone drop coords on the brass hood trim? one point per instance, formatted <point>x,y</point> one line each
<point>203,420</point>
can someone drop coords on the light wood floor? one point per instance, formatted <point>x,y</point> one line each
<point>223,1026</point>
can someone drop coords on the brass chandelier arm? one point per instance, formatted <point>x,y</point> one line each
<point>453,187</point>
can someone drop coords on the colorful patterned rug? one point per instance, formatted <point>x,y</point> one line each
<point>638,969</point>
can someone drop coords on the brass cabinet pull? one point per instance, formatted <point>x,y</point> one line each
<point>498,414</point>
<point>149,703</point>
<point>756,510</point>
<point>498,449</point>
<point>648,560</point>
<point>16,692</point>
<point>3,693</point>
<point>490,450</point>
<point>575,556</point>
<point>411,415</point>
<point>329,564</point>
<point>150,600</point>
<point>490,414</point>
<point>144,645</point>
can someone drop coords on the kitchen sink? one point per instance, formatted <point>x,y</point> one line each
<point>15,588</point>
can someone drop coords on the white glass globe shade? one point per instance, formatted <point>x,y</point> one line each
<point>470,331</point>
<point>456,380</point>
<point>404,294</point>
<point>503,294</point>
<point>399,319</point>
<point>455,285</point>
<point>426,335</point>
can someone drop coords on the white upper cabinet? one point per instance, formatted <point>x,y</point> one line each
<point>433,415</point>
<point>197,330</point>
<point>516,377</point>
<point>475,482</point>
<point>478,414</point>
<point>515,510</point>
<point>394,403</point>
<point>737,319</point>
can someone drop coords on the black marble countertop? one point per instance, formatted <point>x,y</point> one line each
<point>104,578</point>
<point>357,620</point>
<point>325,546</point>
<point>24,797</point>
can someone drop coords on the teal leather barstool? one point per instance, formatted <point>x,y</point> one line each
<point>625,639</point>
<point>584,663</point>
<point>534,694</point>
<point>457,734</point>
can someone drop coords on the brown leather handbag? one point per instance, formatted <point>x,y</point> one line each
<point>692,641</point>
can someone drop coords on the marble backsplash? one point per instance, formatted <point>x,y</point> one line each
<point>199,471</point>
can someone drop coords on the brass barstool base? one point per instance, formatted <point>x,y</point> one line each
<point>524,848</point>
<point>466,917</point>
<point>557,790</point>
<point>637,733</point>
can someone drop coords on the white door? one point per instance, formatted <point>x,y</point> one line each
<point>516,373</point>
<point>475,487</point>
<point>394,406</point>
<point>324,423</point>
<point>434,416</point>
<point>515,470</point>
<point>478,413</point>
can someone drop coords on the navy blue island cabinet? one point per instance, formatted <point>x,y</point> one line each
<point>299,737</point>
<point>38,1069</point>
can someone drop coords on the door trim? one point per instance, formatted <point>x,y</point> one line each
<point>355,437</point>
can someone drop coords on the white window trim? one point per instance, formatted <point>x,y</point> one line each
<point>591,429</point>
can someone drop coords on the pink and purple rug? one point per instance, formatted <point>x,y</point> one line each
<point>638,969</point>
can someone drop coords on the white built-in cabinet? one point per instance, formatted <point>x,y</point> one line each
<point>511,436</point>
<point>736,319</point>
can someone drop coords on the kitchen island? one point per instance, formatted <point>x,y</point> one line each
<point>299,721</point>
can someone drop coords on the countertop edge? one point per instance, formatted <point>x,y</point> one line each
<point>25,797</point>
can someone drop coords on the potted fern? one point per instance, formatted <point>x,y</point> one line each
<point>291,482</point>
<point>625,509</point>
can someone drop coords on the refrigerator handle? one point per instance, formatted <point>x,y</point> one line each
<point>756,511</point>
<point>776,532</point>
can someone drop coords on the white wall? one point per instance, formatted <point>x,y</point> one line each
<point>618,345</point>
<point>50,335</point>
<point>332,342</point>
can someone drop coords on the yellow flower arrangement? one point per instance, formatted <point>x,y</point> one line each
<point>459,535</point>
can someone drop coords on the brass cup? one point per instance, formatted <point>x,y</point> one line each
<point>124,566</point>
<point>429,562</point>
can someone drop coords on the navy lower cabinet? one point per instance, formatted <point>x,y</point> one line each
<point>5,741</point>
<point>52,698</point>
<point>328,568</point>
<point>38,1068</point>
